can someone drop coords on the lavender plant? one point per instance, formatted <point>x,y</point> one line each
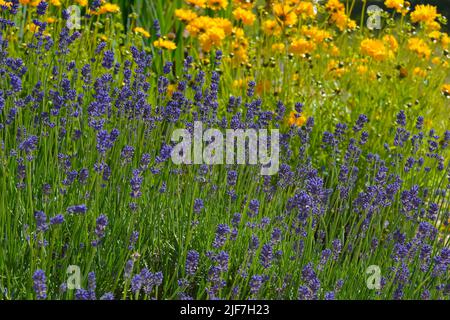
<point>87,179</point>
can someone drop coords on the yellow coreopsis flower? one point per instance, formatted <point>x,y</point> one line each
<point>271,27</point>
<point>142,31</point>
<point>198,3</point>
<point>24,2</point>
<point>296,119</point>
<point>391,42</point>
<point>199,25</point>
<point>374,48</point>
<point>446,89</point>
<point>285,14</point>
<point>305,9</point>
<point>420,47</point>
<point>244,4</point>
<point>334,5</point>
<point>5,4</point>
<point>56,3</point>
<point>82,3</point>
<point>397,5</point>
<point>165,44</point>
<point>212,37</point>
<point>424,13</point>
<point>217,4</point>
<point>316,34</point>
<point>246,16</point>
<point>419,72</point>
<point>278,47</point>
<point>302,46</point>
<point>107,8</point>
<point>342,21</point>
<point>185,15</point>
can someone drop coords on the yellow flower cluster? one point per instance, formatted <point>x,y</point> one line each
<point>210,4</point>
<point>210,31</point>
<point>165,44</point>
<point>420,47</point>
<point>380,50</point>
<point>337,15</point>
<point>400,6</point>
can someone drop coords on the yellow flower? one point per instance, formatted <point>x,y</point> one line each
<point>334,50</point>
<point>185,15</point>
<point>164,44</point>
<point>246,16</point>
<point>445,40</point>
<point>199,25</point>
<point>224,24</point>
<point>424,13</point>
<point>374,48</point>
<point>244,4</point>
<point>316,34</point>
<point>446,89</point>
<point>241,83</point>
<point>5,4</point>
<point>106,8</point>
<point>420,47</point>
<point>305,9</point>
<point>56,3</point>
<point>335,69</point>
<point>334,5</point>
<point>342,21</point>
<point>82,3</point>
<point>432,26</point>
<point>395,4</point>
<point>24,2</point>
<point>285,14</point>
<point>391,42</point>
<point>302,46</point>
<point>51,20</point>
<point>362,69</point>
<point>198,3</point>
<point>212,37</point>
<point>142,31</point>
<point>278,47</point>
<point>296,119</point>
<point>271,27</point>
<point>420,72</point>
<point>217,4</point>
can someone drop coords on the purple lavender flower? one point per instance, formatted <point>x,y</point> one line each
<point>255,284</point>
<point>266,255</point>
<point>192,262</point>
<point>108,59</point>
<point>127,154</point>
<point>231,177</point>
<point>401,118</point>
<point>254,206</point>
<point>58,219</point>
<point>329,295</point>
<point>362,120</point>
<point>40,284</point>
<point>41,8</point>
<point>92,285</point>
<point>77,209</point>
<point>198,205</point>
<point>101,223</point>
<point>136,182</point>
<point>107,296</point>
<point>221,235</point>
<point>41,221</point>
